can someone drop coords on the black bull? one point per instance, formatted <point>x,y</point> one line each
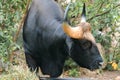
<point>47,44</point>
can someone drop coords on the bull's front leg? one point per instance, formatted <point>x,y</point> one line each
<point>31,63</point>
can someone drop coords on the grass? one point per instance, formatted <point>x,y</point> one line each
<point>18,71</point>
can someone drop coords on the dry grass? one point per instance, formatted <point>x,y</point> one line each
<point>19,71</point>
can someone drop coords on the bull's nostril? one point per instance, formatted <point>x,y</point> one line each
<point>100,61</point>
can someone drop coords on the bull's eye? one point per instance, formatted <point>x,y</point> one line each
<point>86,45</point>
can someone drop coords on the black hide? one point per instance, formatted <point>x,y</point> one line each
<point>47,46</point>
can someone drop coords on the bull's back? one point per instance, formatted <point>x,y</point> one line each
<point>43,20</point>
<point>42,28</point>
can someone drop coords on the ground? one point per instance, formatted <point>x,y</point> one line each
<point>86,74</point>
<point>105,75</point>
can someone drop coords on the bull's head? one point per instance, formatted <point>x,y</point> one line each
<point>81,43</point>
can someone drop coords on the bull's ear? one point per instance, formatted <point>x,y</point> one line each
<point>83,16</point>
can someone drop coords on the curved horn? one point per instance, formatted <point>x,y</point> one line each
<point>83,16</point>
<point>66,12</point>
<point>73,32</point>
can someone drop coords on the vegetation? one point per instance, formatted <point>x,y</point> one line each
<point>102,15</point>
